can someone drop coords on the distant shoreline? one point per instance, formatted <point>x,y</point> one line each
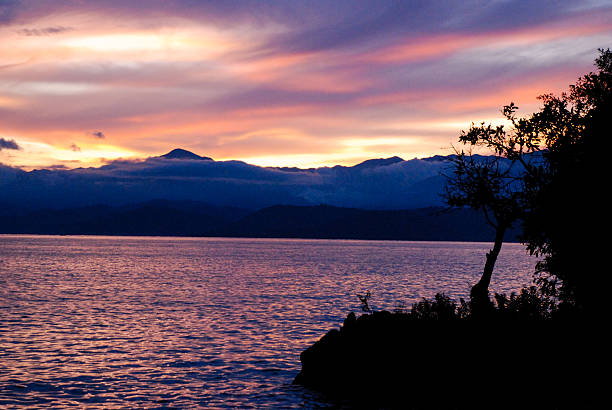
<point>236,237</point>
<point>180,219</point>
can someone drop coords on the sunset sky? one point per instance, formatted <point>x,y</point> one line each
<point>284,83</point>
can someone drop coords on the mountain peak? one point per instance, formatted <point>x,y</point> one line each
<point>440,158</point>
<point>179,153</point>
<point>380,162</point>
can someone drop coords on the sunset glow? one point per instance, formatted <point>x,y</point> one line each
<point>298,84</point>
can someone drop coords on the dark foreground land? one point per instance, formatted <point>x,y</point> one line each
<point>395,360</point>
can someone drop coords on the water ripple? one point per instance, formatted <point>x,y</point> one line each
<point>168,322</point>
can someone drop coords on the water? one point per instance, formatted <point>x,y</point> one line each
<point>209,322</point>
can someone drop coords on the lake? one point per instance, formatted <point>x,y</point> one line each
<point>209,322</point>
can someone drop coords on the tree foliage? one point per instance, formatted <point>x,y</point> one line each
<point>564,217</point>
<point>539,174</point>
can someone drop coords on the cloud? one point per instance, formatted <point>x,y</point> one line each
<point>316,24</point>
<point>8,144</point>
<point>75,147</point>
<point>56,167</point>
<point>219,76</point>
<point>45,31</point>
<point>8,10</point>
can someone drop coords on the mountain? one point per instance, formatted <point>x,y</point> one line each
<point>188,218</point>
<point>180,175</point>
<point>328,222</point>
<point>159,218</point>
<point>379,162</point>
<point>182,154</point>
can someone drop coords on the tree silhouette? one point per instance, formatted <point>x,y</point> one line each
<point>563,213</point>
<point>538,174</point>
<point>493,185</point>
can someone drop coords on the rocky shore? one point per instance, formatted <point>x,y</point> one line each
<point>393,360</point>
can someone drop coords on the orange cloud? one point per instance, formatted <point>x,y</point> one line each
<point>245,91</point>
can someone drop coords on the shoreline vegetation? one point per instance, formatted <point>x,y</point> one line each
<point>542,348</point>
<point>433,357</point>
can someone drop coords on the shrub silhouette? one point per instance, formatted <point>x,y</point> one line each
<point>529,304</point>
<point>441,308</point>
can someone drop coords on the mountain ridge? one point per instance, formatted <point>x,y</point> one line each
<point>181,175</point>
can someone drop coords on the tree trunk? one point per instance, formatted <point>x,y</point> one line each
<point>479,293</point>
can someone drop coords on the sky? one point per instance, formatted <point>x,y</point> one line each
<point>277,83</point>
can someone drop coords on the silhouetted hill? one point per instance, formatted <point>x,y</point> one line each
<point>181,175</point>
<point>158,218</point>
<point>190,218</point>
<point>426,224</point>
<point>179,153</point>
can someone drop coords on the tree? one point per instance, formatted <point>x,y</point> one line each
<point>564,213</point>
<point>539,174</point>
<point>493,185</point>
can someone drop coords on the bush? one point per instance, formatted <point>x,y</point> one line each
<point>442,355</point>
<point>441,308</point>
<point>529,304</point>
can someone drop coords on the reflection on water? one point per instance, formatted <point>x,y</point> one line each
<point>200,322</point>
